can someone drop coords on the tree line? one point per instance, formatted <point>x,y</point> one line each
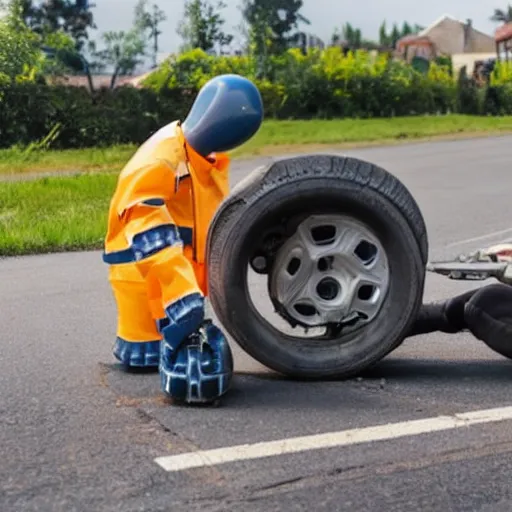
<point>268,28</point>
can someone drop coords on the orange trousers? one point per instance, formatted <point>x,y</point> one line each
<point>142,290</point>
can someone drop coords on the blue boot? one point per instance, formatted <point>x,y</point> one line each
<point>182,318</point>
<point>200,369</point>
<point>137,355</point>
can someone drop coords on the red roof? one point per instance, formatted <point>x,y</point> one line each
<point>503,33</point>
<point>98,80</point>
<point>414,39</point>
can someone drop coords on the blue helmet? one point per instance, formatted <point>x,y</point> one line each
<point>227,112</point>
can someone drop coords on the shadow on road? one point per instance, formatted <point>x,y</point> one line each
<point>403,370</point>
<point>400,377</point>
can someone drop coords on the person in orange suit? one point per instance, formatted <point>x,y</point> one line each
<point>155,244</point>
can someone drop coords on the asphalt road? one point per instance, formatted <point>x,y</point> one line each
<point>78,434</point>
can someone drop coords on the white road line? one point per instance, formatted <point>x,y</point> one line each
<point>331,439</point>
<point>483,237</point>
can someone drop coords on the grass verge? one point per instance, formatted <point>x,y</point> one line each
<point>54,214</point>
<point>275,137</point>
<point>67,213</point>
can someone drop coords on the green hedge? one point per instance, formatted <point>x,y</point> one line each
<point>29,111</point>
<point>322,84</point>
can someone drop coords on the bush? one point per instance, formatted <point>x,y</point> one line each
<point>29,111</point>
<point>468,98</point>
<point>501,74</point>
<point>322,84</point>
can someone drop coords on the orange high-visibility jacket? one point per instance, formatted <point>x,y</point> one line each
<point>166,182</point>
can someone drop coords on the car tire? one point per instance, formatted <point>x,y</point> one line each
<point>298,187</point>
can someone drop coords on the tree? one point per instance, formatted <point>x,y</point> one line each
<point>123,51</point>
<point>150,21</point>
<point>272,24</point>
<point>74,17</point>
<point>352,36</point>
<point>395,36</point>
<point>390,40</point>
<point>383,35</point>
<point>502,16</point>
<point>61,55</point>
<point>20,56</point>
<point>406,29</point>
<point>25,54</point>
<point>201,26</point>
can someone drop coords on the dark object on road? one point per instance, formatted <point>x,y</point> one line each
<point>343,246</point>
<point>485,312</point>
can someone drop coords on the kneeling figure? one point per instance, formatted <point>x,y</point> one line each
<point>155,245</point>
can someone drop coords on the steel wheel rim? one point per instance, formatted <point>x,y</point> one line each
<point>332,271</point>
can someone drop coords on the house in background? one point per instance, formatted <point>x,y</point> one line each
<point>503,38</point>
<point>100,81</point>
<point>446,36</point>
<point>306,41</point>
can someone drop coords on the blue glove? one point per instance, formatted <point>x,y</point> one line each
<point>200,369</point>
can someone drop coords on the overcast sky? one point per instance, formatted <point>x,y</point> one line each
<point>325,15</point>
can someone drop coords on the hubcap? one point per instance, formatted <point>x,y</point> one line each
<point>332,270</point>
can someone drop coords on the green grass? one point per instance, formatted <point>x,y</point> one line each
<point>15,161</point>
<point>65,213</point>
<point>54,214</point>
<point>274,137</point>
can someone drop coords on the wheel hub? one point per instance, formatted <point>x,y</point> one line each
<point>332,270</point>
